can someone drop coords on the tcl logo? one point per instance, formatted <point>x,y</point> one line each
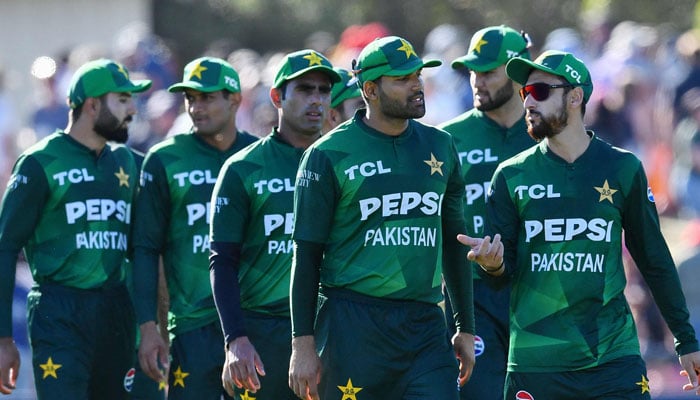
<point>523,395</point>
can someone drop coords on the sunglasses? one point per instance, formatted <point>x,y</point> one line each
<point>540,91</point>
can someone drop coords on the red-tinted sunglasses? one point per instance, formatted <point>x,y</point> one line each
<point>540,91</point>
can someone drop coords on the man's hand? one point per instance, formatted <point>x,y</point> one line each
<point>9,365</point>
<point>304,368</point>
<point>463,344</point>
<point>153,352</point>
<point>489,255</point>
<point>242,366</point>
<point>691,369</point>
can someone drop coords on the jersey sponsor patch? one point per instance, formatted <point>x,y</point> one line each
<point>524,395</point>
<point>479,345</point>
<point>650,195</point>
<point>129,380</point>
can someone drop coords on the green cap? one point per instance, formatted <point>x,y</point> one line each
<point>553,62</point>
<point>295,64</point>
<point>208,74</point>
<point>390,55</point>
<point>492,47</point>
<point>98,77</point>
<point>346,89</point>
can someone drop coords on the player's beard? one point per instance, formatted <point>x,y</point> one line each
<point>547,126</point>
<point>109,127</point>
<point>396,109</point>
<point>501,97</point>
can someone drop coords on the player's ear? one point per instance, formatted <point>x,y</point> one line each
<point>370,90</point>
<point>276,97</point>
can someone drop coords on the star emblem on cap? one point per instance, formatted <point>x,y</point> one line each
<point>434,164</point>
<point>50,368</point>
<point>407,48</point>
<point>644,383</point>
<point>606,192</point>
<point>481,42</point>
<point>314,59</point>
<point>121,70</point>
<point>349,391</point>
<point>123,177</point>
<point>197,71</point>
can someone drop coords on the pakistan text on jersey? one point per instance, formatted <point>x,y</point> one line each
<point>401,236</point>
<point>567,262</point>
<point>101,240</point>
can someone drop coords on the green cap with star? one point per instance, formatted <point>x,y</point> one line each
<point>346,89</point>
<point>98,77</point>
<point>208,74</point>
<point>492,47</point>
<point>391,56</point>
<point>553,62</point>
<point>295,64</point>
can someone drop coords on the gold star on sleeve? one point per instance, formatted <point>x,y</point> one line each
<point>179,377</point>
<point>197,71</point>
<point>314,59</point>
<point>349,391</point>
<point>247,396</point>
<point>434,164</point>
<point>123,177</point>
<point>50,369</point>
<point>644,384</point>
<point>407,48</point>
<point>606,193</point>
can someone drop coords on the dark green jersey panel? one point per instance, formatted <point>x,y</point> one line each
<point>253,205</point>
<point>378,204</point>
<point>562,225</point>
<point>172,219</point>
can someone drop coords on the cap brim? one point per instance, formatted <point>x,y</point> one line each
<point>136,86</point>
<point>335,77</point>
<point>518,69</point>
<point>179,87</point>
<point>474,63</point>
<point>413,67</point>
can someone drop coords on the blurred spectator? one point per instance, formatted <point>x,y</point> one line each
<point>688,47</point>
<point>9,126</point>
<point>52,109</point>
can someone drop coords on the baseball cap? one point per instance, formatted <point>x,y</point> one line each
<point>208,74</point>
<point>492,47</point>
<point>554,62</point>
<point>98,77</point>
<point>295,64</point>
<point>390,55</point>
<point>346,89</point>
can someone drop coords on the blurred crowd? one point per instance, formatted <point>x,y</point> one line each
<point>646,99</point>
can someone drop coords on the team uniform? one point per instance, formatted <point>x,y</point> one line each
<point>382,207</point>
<point>562,226</point>
<point>252,207</point>
<point>70,210</point>
<point>172,220</point>
<point>482,144</point>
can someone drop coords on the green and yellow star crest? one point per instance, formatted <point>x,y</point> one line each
<point>434,164</point>
<point>407,48</point>
<point>349,391</point>
<point>179,377</point>
<point>477,46</point>
<point>197,71</point>
<point>606,192</point>
<point>162,385</point>
<point>247,396</point>
<point>50,369</point>
<point>644,383</point>
<point>314,59</point>
<point>123,177</point>
<point>123,71</point>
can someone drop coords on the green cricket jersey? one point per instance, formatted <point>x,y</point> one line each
<point>253,205</point>
<point>172,219</point>
<point>380,204</point>
<point>70,209</point>
<point>562,226</point>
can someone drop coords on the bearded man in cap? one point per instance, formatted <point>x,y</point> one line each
<point>346,98</point>
<point>378,202</point>
<point>556,215</point>
<point>251,252</point>
<point>489,133</point>
<point>172,221</point>
<point>68,205</point>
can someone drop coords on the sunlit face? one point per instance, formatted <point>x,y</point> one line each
<point>492,89</point>
<point>116,111</point>
<point>401,97</point>
<point>549,117</point>
<point>305,103</point>
<point>211,112</point>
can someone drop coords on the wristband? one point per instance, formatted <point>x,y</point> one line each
<point>493,270</point>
